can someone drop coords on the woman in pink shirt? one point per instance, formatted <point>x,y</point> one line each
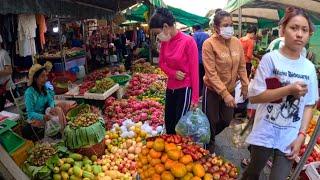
<point>179,60</point>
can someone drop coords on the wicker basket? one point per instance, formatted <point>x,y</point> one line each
<point>97,149</point>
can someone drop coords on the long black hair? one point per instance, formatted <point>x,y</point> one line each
<point>34,81</point>
<point>161,16</point>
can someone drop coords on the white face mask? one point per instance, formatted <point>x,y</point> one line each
<point>163,37</point>
<point>226,32</point>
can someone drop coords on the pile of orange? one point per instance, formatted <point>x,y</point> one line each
<point>311,127</point>
<point>160,160</point>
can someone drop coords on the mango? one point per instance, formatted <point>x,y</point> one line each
<point>77,171</point>
<point>65,175</point>
<point>73,177</point>
<point>76,156</point>
<point>57,177</point>
<point>87,174</point>
<point>70,171</point>
<point>69,161</point>
<point>65,167</point>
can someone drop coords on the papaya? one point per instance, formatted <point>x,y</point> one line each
<point>76,156</point>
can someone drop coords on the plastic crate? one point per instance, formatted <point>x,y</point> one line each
<point>20,155</point>
<point>11,141</point>
<point>312,172</point>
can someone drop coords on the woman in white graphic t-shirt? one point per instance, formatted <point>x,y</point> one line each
<point>284,100</point>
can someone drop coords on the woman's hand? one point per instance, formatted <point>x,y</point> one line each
<point>295,147</point>
<point>230,101</point>
<point>180,75</point>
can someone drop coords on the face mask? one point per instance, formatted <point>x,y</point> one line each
<point>163,37</point>
<point>226,32</point>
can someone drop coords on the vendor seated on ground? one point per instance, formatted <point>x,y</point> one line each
<point>37,100</point>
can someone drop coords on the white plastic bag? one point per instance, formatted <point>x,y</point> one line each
<point>195,124</point>
<point>53,126</point>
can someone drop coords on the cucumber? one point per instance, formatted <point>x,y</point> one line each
<point>76,156</point>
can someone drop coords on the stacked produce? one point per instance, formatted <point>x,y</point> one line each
<point>85,86</point>
<point>155,92</point>
<point>140,83</point>
<point>97,75</point>
<point>311,127</point>
<point>315,155</point>
<point>117,111</point>
<point>85,128</point>
<point>43,157</point>
<point>145,67</point>
<point>85,120</point>
<point>160,159</point>
<point>160,73</point>
<point>102,86</point>
<point>76,167</point>
<point>219,168</point>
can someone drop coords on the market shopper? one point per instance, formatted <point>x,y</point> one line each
<point>248,46</point>
<point>200,36</point>
<point>224,63</point>
<point>179,60</point>
<point>5,77</point>
<point>283,114</point>
<point>37,100</point>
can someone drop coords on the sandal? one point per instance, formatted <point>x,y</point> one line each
<point>245,162</point>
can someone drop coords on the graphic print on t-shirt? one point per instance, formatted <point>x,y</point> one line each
<point>285,114</point>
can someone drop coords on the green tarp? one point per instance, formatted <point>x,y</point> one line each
<point>140,12</point>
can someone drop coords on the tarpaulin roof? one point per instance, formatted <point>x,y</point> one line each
<point>100,9</point>
<point>269,12</point>
<point>140,12</point>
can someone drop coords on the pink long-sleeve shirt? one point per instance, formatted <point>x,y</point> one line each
<point>180,53</point>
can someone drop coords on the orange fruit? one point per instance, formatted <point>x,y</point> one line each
<point>158,145</point>
<point>166,175</point>
<point>149,144</point>
<point>144,151</point>
<point>188,176</point>
<point>195,178</point>
<point>169,146</point>
<point>156,177</point>
<point>189,167</point>
<point>186,159</point>
<point>144,160</point>
<point>198,170</point>
<point>164,158</point>
<point>168,165</point>
<point>154,154</point>
<point>139,164</point>
<point>174,154</point>
<point>179,170</point>
<point>153,162</point>
<point>159,168</point>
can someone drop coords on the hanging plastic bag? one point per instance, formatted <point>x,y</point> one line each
<point>53,126</point>
<point>196,125</point>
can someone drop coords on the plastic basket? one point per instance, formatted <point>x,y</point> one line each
<point>121,79</point>
<point>60,90</point>
<point>312,172</point>
<point>11,141</point>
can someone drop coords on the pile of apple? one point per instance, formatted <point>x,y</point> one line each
<point>219,168</point>
<point>140,83</point>
<point>315,155</point>
<point>117,111</point>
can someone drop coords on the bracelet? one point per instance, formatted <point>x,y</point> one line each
<point>302,133</point>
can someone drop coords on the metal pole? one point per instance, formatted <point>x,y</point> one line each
<point>302,162</point>
<point>240,20</point>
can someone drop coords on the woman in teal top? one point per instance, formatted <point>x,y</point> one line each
<point>37,99</point>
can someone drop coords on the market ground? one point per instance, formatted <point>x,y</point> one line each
<point>227,149</point>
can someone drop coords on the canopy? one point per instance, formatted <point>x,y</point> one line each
<point>140,13</point>
<point>69,8</point>
<point>269,12</point>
